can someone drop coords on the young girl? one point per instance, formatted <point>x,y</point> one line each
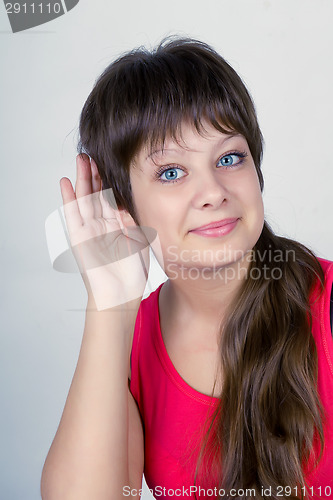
<point>220,383</point>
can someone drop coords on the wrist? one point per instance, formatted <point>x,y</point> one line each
<point>125,308</point>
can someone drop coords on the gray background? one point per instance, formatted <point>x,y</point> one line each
<point>283,52</point>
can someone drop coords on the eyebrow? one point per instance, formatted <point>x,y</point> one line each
<point>181,150</point>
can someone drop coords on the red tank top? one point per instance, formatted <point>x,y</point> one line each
<point>173,413</point>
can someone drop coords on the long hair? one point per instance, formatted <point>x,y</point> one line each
<point>269,414</point>
<point>269,411</point>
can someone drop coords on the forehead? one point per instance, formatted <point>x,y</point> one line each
<point>189,139</point>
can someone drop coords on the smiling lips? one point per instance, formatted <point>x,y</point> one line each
<point>218,228</point>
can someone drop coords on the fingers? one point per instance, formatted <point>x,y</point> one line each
<point>71,209</point>
<point>96,185</point>
<point>83,176</point>
<point>83,204</point>
<point>67,192</point>
<point>83,186</point>
<point>95,178</point>
<point>89,201</point>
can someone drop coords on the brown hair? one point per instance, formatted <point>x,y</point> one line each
<point>269,409</point>
<point>145,96</point>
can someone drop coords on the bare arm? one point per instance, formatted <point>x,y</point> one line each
<point>89,457</point>
<point>98,447</point>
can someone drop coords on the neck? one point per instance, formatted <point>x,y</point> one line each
<point>204,300</point>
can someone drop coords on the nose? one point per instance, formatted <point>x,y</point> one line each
<point>209,191</point>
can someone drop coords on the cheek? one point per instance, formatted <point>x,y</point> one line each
<point>258,216</point>
<point>248,190</point>
<point>251,197</point>
<point>141,199</point>
<point>257,202</point>
<point>151,210</point>
<point>252,188</point>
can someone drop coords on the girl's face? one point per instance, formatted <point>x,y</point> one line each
<point>194,183</point>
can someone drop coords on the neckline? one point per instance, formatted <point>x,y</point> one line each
<point>169,366</point>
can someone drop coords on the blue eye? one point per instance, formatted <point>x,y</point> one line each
<point>232,159</point>
<point>171,174</point>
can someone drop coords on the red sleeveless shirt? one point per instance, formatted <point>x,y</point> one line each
<point>173,413</point>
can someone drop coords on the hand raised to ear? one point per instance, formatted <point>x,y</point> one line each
<point>111,250</point>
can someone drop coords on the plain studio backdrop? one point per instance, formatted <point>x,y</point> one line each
<point>282,50</point>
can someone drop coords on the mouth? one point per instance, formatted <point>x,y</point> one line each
<point>214,225</point>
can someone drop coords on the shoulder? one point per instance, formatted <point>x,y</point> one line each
<point>327,267</point>
<point>146,321</point>
<point>326,264</point>
<point>149,305</point>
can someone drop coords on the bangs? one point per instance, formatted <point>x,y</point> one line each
<point>144,97</point>
<point>157,92</point>
<point>172,91</point>
<point>155,134</point>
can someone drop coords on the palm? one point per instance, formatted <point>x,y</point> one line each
<point>99,239</point>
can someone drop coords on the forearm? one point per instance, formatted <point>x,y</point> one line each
<point>89,455</point>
